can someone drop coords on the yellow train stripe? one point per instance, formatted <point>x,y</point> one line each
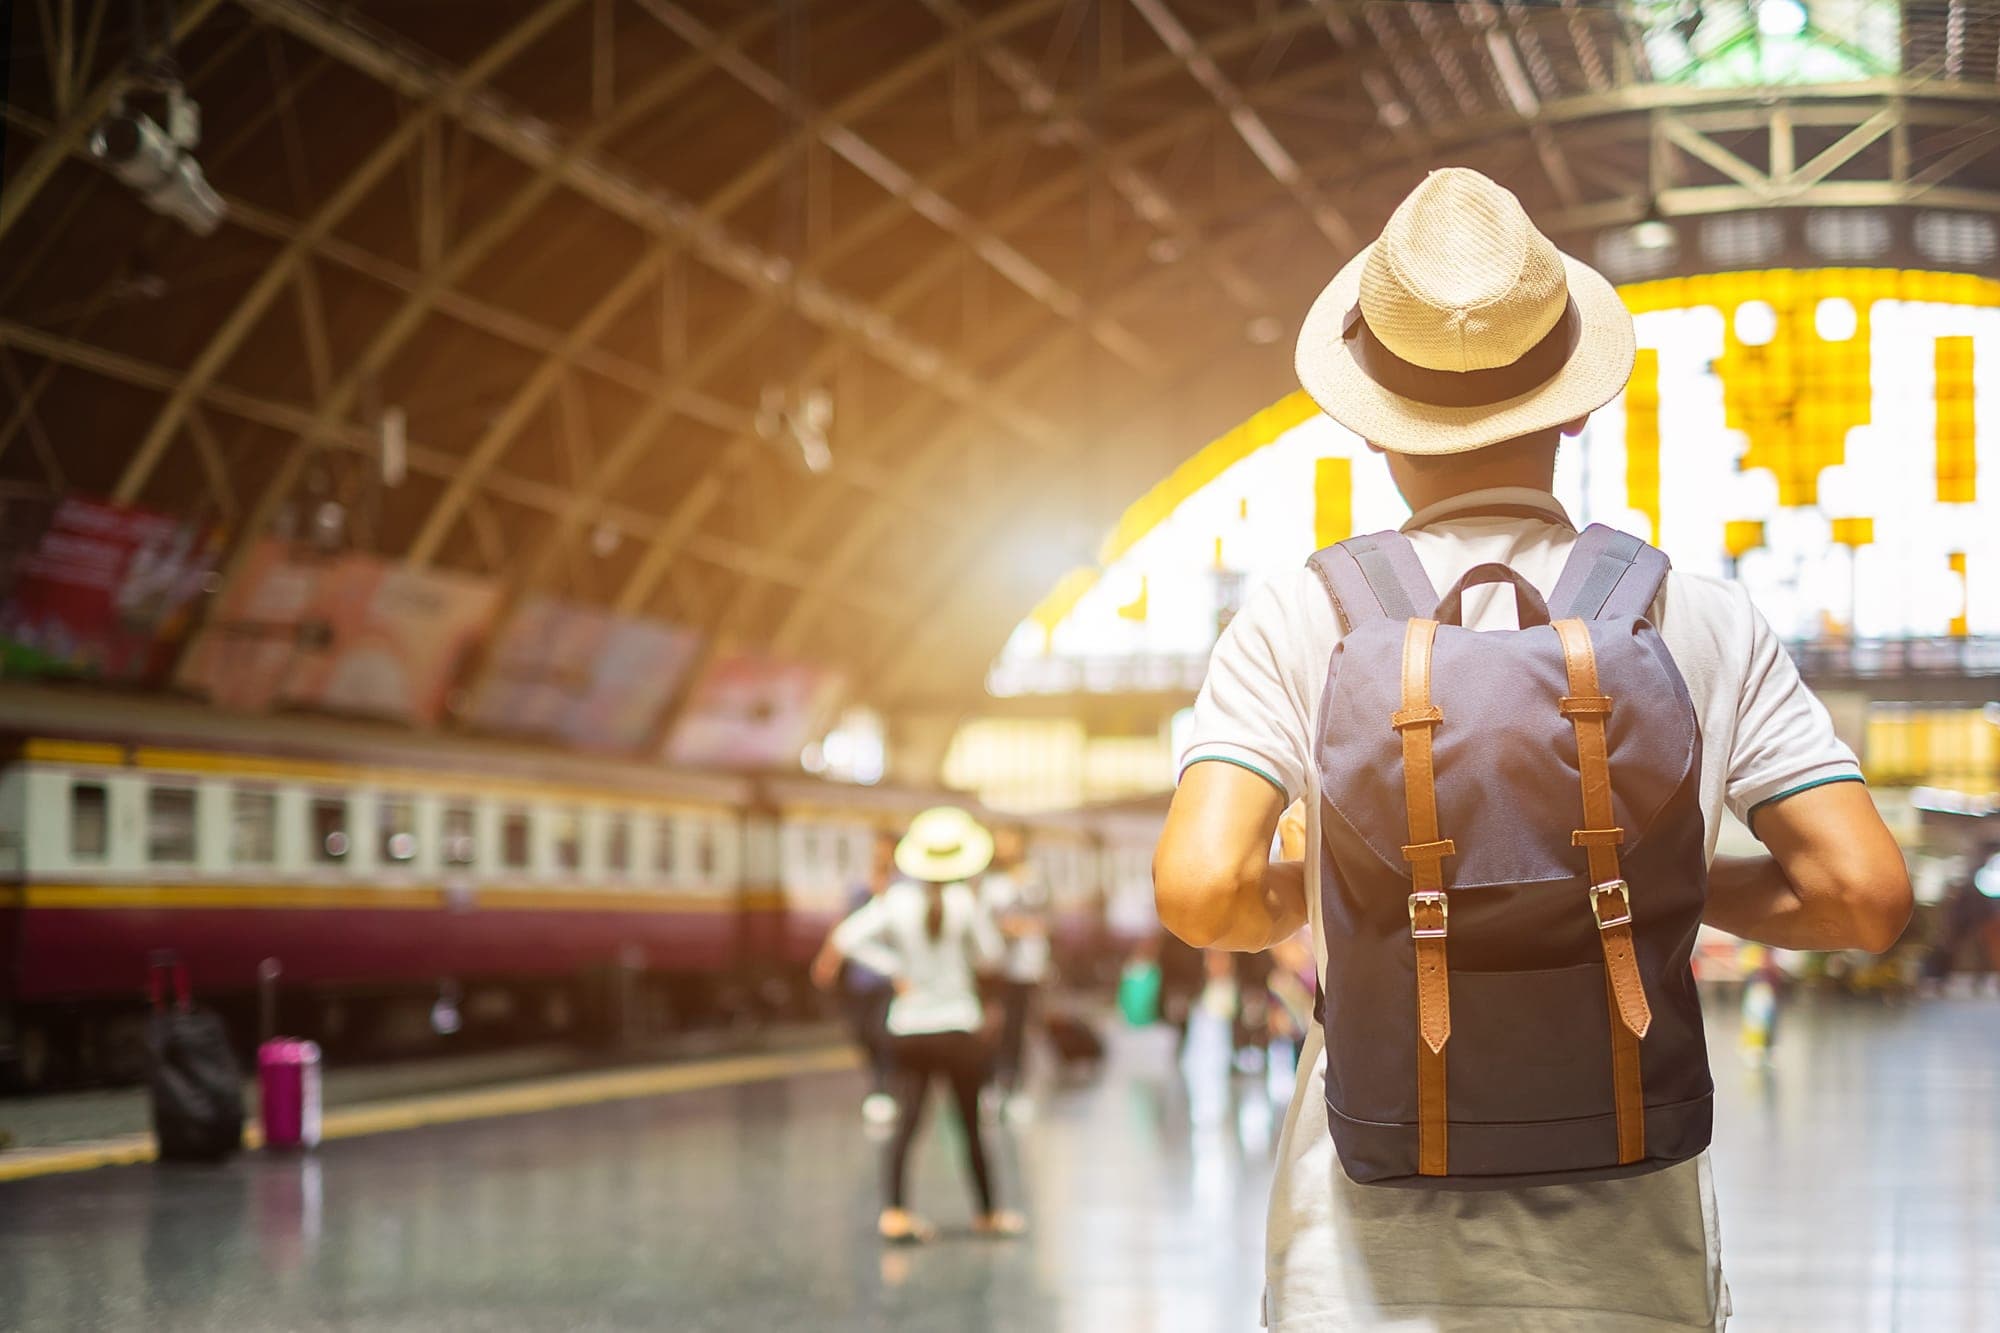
<point>449,1108</point>
<point>73,752</point>
<point>275,897</point>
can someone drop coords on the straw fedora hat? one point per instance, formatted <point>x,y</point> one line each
<point>944,845</point>
<point>1462,326</point>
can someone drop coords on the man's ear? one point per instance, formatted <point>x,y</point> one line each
<point>1574,428</point>
<point>1375,448</point>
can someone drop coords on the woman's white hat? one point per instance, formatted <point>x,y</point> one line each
<point>944,845</point>
<point>1462,326</point>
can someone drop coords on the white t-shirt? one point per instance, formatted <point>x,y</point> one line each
<point>889,934</point>
<point>1639,1253</point>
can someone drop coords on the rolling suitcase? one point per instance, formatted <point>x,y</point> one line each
<point>195,1085</point>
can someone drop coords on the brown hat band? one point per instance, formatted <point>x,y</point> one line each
<point>1462,388</point>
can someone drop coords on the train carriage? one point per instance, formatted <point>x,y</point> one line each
<point>360,866</point>
<point>399,881</point>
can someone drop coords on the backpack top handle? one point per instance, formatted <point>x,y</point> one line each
<point>1529,608</point>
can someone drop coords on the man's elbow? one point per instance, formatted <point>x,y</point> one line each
<point>1195,907</point>
<point>1882,906</point>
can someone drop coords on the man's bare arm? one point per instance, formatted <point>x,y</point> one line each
<point>1213,878</point>
<point>1835,878</point>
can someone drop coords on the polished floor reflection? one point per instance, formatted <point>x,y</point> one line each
<point>1859,1177</point>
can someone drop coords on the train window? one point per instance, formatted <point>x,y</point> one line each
<point>329,829</point>
<point>89,821</point>
<point>618,845</point>
<point>514,840</point>
<point>704,850</point>
<point>461,844</point>
<point>399,831</point>
<point>663,848</point>
<point>567,837</point>
<point>253,828</point>
<point>841,848</point>
<point>170,828</point>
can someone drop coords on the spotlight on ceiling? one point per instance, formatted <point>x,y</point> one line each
<point>798,424</point>
<point>1652,231</point>
<point>158,161</point>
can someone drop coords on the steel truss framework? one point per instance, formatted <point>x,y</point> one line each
<point>1036,252</point>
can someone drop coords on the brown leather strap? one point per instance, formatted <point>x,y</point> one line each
<point>1429,910</point>
<point>1610,899</point>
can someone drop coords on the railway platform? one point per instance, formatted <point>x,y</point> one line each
<point>739,1192</point>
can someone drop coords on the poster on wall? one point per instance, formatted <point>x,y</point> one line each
<point>246,646</point>
<point>581,676</point>
<point>349,633</point>
<point>99,590</point>
<point>388,641</point>
<point>748,711</point>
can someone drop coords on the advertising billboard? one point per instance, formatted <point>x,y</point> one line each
<point>98,590</point>
<point>748,711</point>
<point>581,676</point>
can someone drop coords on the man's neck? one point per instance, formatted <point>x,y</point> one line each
<point>1421,493</point>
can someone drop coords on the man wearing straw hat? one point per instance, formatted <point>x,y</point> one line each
<point>1462,346</point>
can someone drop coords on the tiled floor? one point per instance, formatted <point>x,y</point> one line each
<point>1860,1187</point>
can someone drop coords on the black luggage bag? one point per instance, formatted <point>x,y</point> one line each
<point>1075,1041</point>
<point>196,1085</point>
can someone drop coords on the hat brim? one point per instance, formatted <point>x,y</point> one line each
<point>1594,374</point>
<point>972,855</point>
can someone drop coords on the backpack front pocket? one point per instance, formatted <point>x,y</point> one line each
<point>1529,1046</point>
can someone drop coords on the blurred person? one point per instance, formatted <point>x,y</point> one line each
<point>929,934</point>
<point>1462,346</point>
<point>1763,993</point>
<point>864,992</point>
<point>1015,895</point>
<point>1290,987</point>
<point>1958,937</point>
<point>1182,977</point>
<point>1250,1033</point>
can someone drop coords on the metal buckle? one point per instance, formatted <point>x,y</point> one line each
<point>1599,892</point>
<point>1430,899</point>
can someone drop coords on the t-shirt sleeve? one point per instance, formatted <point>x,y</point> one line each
<point>864,937</point>
<point>1254,710</point>
<point>1784,741</point>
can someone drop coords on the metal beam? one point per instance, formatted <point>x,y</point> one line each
<point>642,203</point>
<point>223,345</point>
<point>834,131</point>
<point>1250,127</point>
<point>294,419</point>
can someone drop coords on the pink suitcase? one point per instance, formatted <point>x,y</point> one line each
<point>288,1092</point>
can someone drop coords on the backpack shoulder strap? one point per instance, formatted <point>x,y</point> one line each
<point>1610,573</point>
<point>1376,577</point>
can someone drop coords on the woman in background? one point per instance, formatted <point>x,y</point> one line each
<point>929,935</point>
<point>865,994</point>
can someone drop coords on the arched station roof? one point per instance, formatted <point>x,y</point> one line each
<point>1033,252</point>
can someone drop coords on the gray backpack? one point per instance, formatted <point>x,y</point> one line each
<point>1512,871</point>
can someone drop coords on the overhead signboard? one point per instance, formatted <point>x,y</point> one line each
<point>581,676</point>
<point>348,633</point>
<point>747,711</point>
<point>98,590</point>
